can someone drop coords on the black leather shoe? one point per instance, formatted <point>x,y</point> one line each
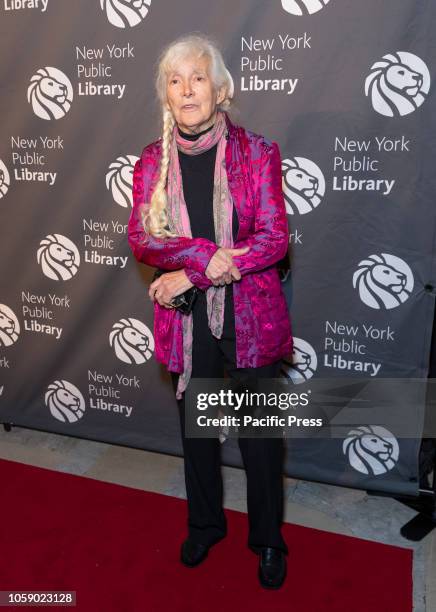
<point>193,553</point>
<point>272,567</point>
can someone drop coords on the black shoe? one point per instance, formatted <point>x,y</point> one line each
<point>193,553</point>
<point>272,567</point>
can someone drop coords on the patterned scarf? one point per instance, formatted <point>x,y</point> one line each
<point>178,220</point>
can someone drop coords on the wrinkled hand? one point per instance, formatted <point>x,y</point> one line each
<point>221,269</point>
<point>167,286</point>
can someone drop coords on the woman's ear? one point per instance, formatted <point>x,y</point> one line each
<point>221,95</point>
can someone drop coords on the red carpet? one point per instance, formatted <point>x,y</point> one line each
<point>118,548</point>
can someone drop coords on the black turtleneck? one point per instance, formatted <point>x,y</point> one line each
<point>194,136</point>
<point>197,177</point>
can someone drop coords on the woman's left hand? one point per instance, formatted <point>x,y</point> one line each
<point>167,286</point>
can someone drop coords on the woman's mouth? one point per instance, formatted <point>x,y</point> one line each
<point>189,107</point>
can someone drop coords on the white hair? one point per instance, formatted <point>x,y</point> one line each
<point>197,45</point>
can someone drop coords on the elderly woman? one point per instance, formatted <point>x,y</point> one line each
<point>209,212</point>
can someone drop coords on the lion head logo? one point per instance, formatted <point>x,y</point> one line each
<point>9,326</point>
<point>371,449</point>
<point>303,185</point>
<point>302,363</point>
<point>65,401</point>
<point>398,84</point>
<point>119,179</point>
<point>126,13</point>
<point>384,281</point>
<point>50,93</point>
<point>5,180</point>
<point>58,256</point>
<point>303,7</point>
<point>132,341</point>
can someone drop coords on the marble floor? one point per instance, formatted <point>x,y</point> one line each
<point>336,509</point>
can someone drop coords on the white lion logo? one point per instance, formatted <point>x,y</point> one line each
<point>371,450</point>
<point>65,401</point>
<point>9,326</point>
<point>303,7</point>
<point>303,185</point>
<point>50,93</point>
<point>58,256</point>
<point>126,13</point>
<point>384,281</point>
<point>5,179</point>
<point>397,84</point>
<point>302,364</point>
<point>132,341</point>
<point>119,179</point>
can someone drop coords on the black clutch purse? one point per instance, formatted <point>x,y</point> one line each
<point>183,302</point>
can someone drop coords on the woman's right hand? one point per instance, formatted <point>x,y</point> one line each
<point>221,268</point>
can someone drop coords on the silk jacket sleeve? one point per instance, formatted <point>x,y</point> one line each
<point>165,253</point>
<point>199,279</point>
<point>269,242</point>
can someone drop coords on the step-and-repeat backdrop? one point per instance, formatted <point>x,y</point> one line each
<point>343,87</point>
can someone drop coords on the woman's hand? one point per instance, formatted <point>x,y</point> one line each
<point>167,286</point>
<point>221,268</point>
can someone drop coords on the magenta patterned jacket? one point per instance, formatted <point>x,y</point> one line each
<point>262,322</point>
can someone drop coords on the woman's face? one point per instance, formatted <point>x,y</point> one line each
<point>191,95</point>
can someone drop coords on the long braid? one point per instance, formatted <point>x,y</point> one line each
<point>157,216</point>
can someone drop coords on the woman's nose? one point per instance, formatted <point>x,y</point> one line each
<point>187,90</point>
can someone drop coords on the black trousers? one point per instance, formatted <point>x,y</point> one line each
<point>262,457</point>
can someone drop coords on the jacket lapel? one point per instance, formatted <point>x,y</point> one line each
<point>238,178</point>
